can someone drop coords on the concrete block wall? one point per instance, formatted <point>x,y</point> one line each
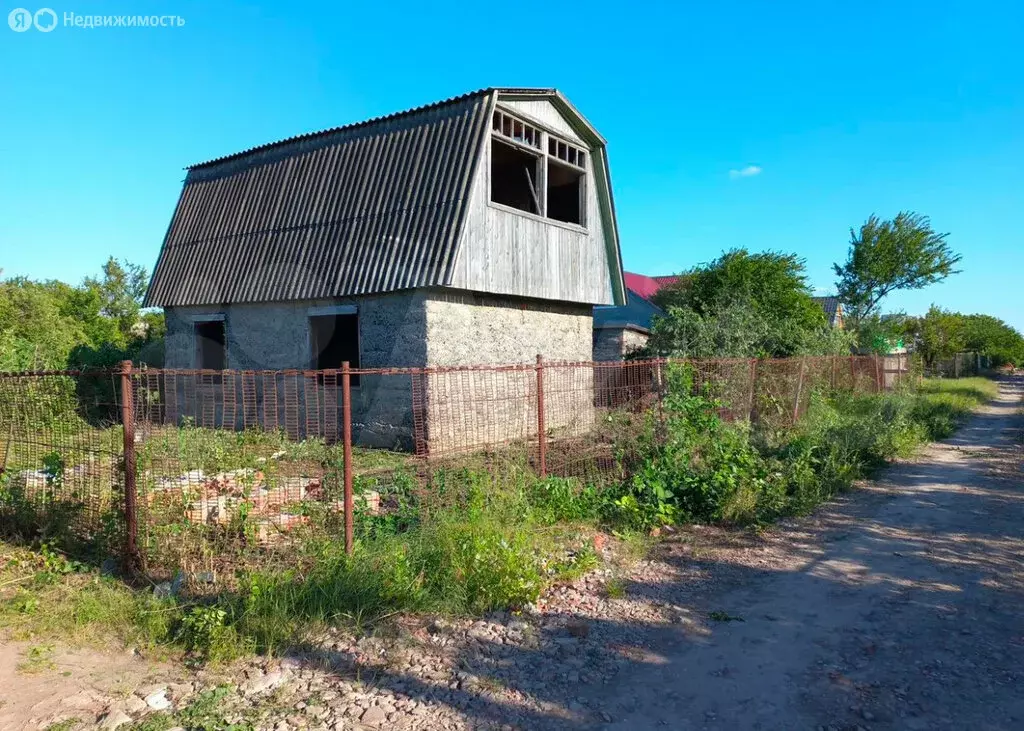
<point>419,328</point>
<point>275,336</point>
<point>615,343</point>
<point>467,410</point>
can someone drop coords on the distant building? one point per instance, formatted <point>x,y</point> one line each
<point>833,310</point>
<point>620,330</point>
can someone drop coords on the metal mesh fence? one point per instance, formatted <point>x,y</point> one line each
<point>61,449</point>
<point>222,471</point>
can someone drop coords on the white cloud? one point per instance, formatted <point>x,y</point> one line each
<point>748,172</point>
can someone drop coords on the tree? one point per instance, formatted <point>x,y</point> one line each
<point>882,333</point>
<point>734,330</point>
<point>887,256</point>
<point>939,334</point>
<point>741,304</point>
<point>120,292</point>
<point>54,325</point>
<point>942,334</point>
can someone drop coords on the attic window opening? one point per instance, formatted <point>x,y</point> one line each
<point>516,130</point>
<point>514,176</point>
<point>534,171</point>
<point>565,193</point>
<point>567,153</point>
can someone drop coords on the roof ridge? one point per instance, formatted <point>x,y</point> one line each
<point>374,120</point>
<point>331,130</point>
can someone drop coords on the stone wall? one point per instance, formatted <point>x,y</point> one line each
<point>615,343</point>
<point>466,410</point>
<point>607,344</point>
<point>436,328</point>
<point>275,336</point>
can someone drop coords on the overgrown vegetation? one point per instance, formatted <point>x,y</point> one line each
<point>487,534</point>
<point>52,325</point>
<point>703,469</point>
<point>743,305</point>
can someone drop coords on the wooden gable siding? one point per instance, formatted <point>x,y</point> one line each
<point>544,111</point>
<point>506,252</point>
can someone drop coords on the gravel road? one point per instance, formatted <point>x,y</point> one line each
<point>901,607</point>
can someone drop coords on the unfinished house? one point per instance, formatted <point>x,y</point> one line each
<point>477,230</point>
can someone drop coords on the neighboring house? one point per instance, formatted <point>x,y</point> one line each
<point>619,330</point>
<point>833,310</point>
<point>476,230</point>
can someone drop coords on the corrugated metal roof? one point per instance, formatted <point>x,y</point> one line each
<point>355,125</point>
<point>369,207</point>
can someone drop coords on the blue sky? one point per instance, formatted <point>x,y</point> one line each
<point>845,109</point>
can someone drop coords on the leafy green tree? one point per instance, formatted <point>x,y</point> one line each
<point>742,304</point>
<point>733,330</point>
<point>887,256</point>
<point>881,333</point>
<point>992,337</point>
<point>53,325</point>
<point>941,334</point>
<point>34,332</point>
<point>120,292</point>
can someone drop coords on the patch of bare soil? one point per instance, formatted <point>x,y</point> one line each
<point>43,685</point>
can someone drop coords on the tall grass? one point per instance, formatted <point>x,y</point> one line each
<point>709,471</point>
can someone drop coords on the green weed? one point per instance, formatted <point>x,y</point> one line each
<point>66,725</point>
<point>205,713</point>
<point>615,588</point>
<point>38,659</point>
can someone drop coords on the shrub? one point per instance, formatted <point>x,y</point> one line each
<point>694,465</point>
<point>560,500</point>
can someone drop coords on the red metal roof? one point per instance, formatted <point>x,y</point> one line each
<point>646,286</point>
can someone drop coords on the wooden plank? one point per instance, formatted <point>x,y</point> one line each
<point>543,113</point>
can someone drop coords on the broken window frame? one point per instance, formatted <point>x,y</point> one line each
<point>546,146</point>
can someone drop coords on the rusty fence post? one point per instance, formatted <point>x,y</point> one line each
<point>542,440</point>
<point>853,374</point>
<point>879,378</point>
<point>752,411</point>
<point>346,429</point>
<point>131,519</point>
<point>835,367</point>
<point>799,389</point>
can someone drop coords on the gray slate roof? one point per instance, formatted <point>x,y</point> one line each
<point>369,207</point>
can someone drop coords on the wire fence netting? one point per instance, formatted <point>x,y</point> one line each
<point>241,469</point>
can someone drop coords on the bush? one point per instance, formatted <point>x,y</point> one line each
<point>695,467</point>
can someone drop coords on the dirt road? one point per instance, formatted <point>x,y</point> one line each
<point>902,607</point>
